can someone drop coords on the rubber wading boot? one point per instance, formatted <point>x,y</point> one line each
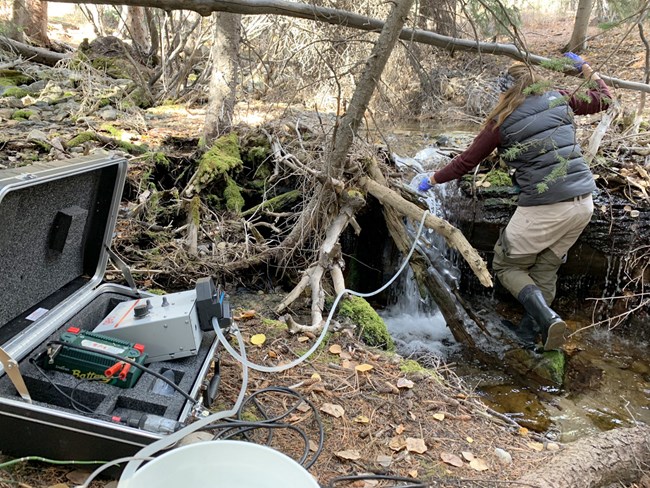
<point>527,331</point>
<point>551,324</point>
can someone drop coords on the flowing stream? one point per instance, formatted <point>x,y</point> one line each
<point>610,387</point>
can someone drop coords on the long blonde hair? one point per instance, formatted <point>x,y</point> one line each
<point>511,99</point>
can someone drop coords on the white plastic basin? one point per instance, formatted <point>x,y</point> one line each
<point>222,464</point>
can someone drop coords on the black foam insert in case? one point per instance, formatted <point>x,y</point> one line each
<point>56,222</point>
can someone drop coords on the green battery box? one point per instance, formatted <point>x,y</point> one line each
<point>82,354</point>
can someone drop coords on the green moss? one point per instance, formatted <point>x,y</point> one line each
<point>22,114</point>
<point>234,199</point>
<point>275,203</point>
<point>222,158</point>
<point>373,328</point>
<point>132,148</point>
<point>274,323</point>
<point>112,130</point>
<point>10,77</point>
<point>140,97</point>
<point>80,139</point>
<point>249,415</point>
<point>16,92</point>
<point>118,68</point>
<point>157,291</point>
<point>412,366</point>
<point>497,177</point>
<point>195,210</point>
<point>159,159</point>
<point>552,366</point>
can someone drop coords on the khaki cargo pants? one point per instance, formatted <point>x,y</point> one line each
<point>535,242</point>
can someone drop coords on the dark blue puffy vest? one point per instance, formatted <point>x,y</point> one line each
<point>538,140</point>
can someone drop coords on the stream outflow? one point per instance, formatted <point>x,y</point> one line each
<point>617,393</point>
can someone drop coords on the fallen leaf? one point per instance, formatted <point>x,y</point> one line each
<point>439,416</point>
<point>467,455</point>
<point>399,429</point>
<point>404,383</point>
<point>345,355</point>
<point>385,461</point>
<point>361,419</point>
<point>258,339</point>
<point>415,445</point>
<point>397,443</point>
<point>333,409</point>
<point>335,349</point>
<point>303,339</point>
<point>273,354</point>
<point>78,476</point>
<point>553,446</point>
<point>313,446</point>
<point>363,368</point>
<point>350,454</point>
<point>413,473</point>
<point>303,407</point>
<point>536,446</point>
<point>478,464</point>
<point>345,364</point>
<point>452,459</point>
<point>248,314</point>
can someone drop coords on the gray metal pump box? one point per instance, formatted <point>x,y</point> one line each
<point>167,325</point>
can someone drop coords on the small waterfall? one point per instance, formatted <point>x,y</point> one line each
<point>416,324</point>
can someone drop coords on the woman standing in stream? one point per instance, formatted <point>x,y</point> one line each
<point>533,129</point>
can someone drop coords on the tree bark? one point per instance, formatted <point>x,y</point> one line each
<point>29,18</point>
<point>614,457</point>
<point>453,236</point>
<point>578,42</point>
<point>349,19</point>
<point>225,72</point>
<point>135,26</point>
<point>349,123</point>
<point>34,54</point>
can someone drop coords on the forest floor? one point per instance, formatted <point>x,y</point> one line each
<point>381,414</point>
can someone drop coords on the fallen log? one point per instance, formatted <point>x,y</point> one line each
<point>619,457</point>
<point>32,53</point>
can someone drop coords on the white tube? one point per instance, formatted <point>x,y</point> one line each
<point>321,337</point>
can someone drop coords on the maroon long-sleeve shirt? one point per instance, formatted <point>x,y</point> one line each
<point>489,138</point>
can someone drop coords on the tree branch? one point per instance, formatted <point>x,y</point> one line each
<point>352,20</point>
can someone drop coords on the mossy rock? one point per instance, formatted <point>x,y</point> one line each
<point>141,97</point>
<point>22,114</point>
<point>234,199</point>
<point>222,158</point>
<point>80,139</point>
<point>10,77</point>
<point>16,92</point>
<point>373,328</point>
<point>546,368</point>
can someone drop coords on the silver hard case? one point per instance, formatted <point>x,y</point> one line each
<point>84,194</point>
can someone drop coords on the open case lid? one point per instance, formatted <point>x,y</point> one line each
<point>56,221</point>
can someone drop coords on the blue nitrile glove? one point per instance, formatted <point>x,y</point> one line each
<point>425,184</point>
<point>578,62</point>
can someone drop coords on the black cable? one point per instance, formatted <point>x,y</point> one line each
<point>412,483</point>
<point>78,406</point>
<point>132,363</point>
<point>232,428</point>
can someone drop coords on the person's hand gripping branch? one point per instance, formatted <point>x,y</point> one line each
<point>426,183</point>
<point>581,65</point>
